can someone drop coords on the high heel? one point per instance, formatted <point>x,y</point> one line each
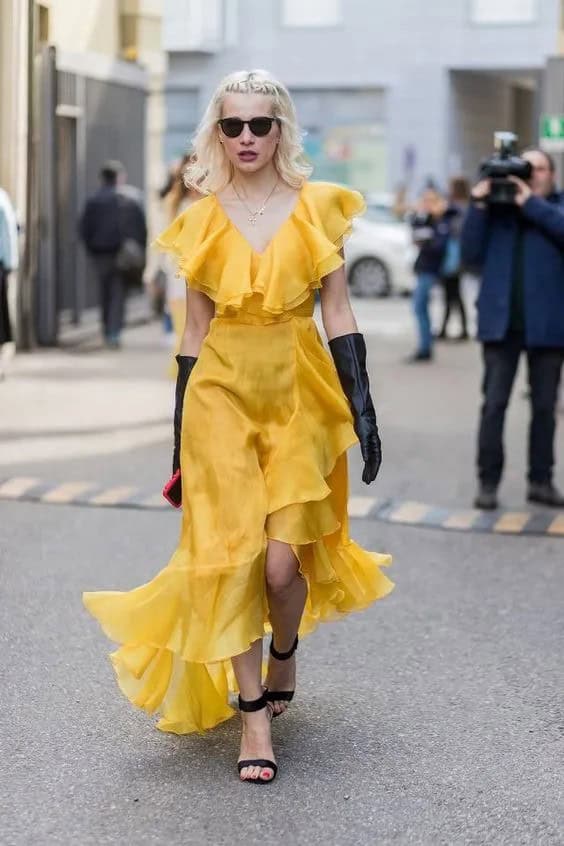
<point>280,695</point>
<point>250,705</point>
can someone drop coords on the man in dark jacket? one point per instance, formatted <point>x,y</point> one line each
<point>113,227</point>
<point>519,250</point>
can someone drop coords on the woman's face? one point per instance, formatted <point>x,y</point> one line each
<point>249,153</point>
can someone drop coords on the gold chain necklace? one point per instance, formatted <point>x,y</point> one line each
<point>254,215</point>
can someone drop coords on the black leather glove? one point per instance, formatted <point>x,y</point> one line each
<point>185,366</point>
<point>349,355</point>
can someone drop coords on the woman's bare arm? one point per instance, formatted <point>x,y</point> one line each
<point>336,310</point>
<point>199,312</point>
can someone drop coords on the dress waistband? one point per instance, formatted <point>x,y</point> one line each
<point>247,318</point>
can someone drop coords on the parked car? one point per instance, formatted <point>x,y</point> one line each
<point>380,253</point>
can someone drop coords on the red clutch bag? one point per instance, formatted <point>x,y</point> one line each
<point>172,491</point>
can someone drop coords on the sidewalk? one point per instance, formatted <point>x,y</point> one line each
<point>84,413</point>
<point>138,312</point>
<point>85,401</point>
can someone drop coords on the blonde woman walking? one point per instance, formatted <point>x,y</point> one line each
<point>264,416</point>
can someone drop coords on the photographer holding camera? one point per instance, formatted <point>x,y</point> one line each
<point>514,234</point>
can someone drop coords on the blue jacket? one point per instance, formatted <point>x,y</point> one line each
<point>488,241</point>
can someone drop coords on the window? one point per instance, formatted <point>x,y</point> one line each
<point>129,36</point>
<point>193,25</point>
<point>503,11</point>
<point>311,13</point>
<point>43,24</point>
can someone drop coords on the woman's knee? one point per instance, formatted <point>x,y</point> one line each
<point>281,567</point>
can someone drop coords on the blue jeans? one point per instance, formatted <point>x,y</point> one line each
<point>424,283</point>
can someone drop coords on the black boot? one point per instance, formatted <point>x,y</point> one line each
<point>546,494</point>
<point>418,357</point>
<point>486,498</point>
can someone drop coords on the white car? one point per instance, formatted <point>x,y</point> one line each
<point>380,252</point>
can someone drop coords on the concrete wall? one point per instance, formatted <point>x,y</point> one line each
<point>13,112</point>
<point>405,48</point>
<point>91,27</point>
<point>480,104</point>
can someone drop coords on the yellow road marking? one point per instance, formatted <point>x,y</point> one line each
<point>409,512</point>
<point>113,496</point>
<point>155,501</point>
<point>360,506</point>
<point>14,488</point>
<point>557,526</point>
<point>461,520</point>
<point>511,521</point>
<point>66,492</point>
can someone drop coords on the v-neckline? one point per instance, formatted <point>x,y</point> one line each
<point>277,232</point>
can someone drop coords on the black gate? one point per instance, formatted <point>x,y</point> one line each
<point>81,122</point>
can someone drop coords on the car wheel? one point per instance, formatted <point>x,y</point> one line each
<point>369,277</point>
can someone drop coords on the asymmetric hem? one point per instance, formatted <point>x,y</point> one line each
<point>265,431</point>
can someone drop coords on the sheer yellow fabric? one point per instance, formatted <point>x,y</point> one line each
<point>265,432</point>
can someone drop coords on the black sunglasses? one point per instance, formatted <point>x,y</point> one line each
<point>259,126</point>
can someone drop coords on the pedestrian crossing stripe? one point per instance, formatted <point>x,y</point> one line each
<point>399,512</point>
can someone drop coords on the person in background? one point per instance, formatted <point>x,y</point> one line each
<point>458,197</point>
<point>176,197</point>
<point>114,231</point>
<point>430,232</point>
<point>9,259</point>
<point>519,249</point>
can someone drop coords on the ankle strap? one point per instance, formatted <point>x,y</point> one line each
<point>283,656</point>
<point>252,704</point>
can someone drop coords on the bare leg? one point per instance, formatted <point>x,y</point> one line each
<point>255,737</point>
<point>287,592</point>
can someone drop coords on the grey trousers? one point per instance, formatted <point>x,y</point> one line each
<point>113,290</point>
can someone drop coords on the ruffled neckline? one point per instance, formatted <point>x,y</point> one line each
<point>279,230</point>
<point>216,258</point>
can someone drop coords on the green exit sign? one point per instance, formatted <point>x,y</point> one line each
<point>552,133</point>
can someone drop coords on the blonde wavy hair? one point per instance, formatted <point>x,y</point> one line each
<point>210,170</point>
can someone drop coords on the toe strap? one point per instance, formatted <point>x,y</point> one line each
<point>279,695</point>
<point>257,762</point>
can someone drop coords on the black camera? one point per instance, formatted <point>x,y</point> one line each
<point>501,165</point>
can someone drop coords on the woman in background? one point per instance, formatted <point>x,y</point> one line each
<point>430,232</point>
<point>451,270</point>
<point>8,262</point>
<point>176,197</point>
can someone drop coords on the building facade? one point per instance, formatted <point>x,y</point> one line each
<point>81,83</point>
<point>388,93</point>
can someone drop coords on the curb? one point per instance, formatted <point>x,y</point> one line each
<point>402,512</point>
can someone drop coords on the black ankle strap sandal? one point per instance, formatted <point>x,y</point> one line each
<point>250,705</point>
<point>280,695</point>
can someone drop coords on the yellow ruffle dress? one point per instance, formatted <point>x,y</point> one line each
<point>265,431</point>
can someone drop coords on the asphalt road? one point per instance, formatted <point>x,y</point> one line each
<point>433,718</point>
